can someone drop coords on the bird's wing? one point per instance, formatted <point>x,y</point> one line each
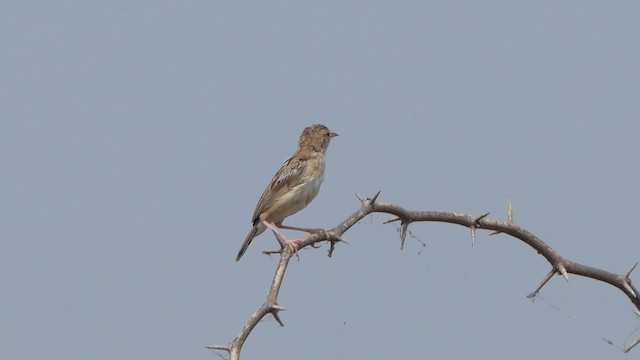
<point>289,175</point>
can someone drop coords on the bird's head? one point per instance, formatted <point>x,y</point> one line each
<point>316,137</point>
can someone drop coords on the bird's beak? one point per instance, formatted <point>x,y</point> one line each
<point>333,134</point>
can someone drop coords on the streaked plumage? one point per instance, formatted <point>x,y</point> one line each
<point>295,184</point>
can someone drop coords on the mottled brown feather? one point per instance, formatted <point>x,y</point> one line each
<point>280,184</point>
<point>294,185</point>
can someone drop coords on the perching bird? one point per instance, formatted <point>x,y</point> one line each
<point>293,187</point>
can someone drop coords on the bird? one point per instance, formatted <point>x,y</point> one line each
<point>293,187</point>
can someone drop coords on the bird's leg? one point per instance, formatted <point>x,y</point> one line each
<point>310,231</point>
<point>282,239</point>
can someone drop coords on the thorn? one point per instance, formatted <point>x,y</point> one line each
<point>509,211</point>
<point>274,311</point>
<point>637,312</point>
<point>375,197</point>
<point>473,236</point>
<point>495,233</point>
<point>543,283</point>
<point>563,271</point>
<point>391,220</point>
<point>277,317</point>
<point>627,287</point>
<point>343,241</point>
<point>218,347</point>
<point>477,220</point>
<point>403,234</point>
<point>360,198</point>
<point>632,345</point>
<point>631,270</point>
<point>338,239</point>
<point>333,240</point>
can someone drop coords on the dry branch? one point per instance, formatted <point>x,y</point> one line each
<point>559,264</point>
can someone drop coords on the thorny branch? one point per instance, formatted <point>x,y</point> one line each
<point>559,264</point>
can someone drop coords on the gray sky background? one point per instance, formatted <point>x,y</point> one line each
<point>137,137</point>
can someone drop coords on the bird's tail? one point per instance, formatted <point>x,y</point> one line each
<point>253,233</point>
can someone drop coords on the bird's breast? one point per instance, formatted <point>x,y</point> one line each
<point>312,188</point>
<point>300,195</point>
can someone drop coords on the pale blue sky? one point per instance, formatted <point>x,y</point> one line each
<point>136,138</point>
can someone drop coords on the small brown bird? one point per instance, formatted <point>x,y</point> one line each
<point>293,187</point>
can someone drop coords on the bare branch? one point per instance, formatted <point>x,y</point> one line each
<point>371,205</point>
